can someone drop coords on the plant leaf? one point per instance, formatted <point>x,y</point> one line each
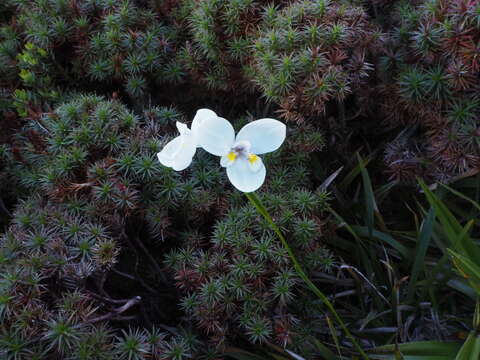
<point>420,251</point>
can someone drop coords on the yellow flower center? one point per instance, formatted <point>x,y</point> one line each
<point>252,158</point>
<point>231,156</point>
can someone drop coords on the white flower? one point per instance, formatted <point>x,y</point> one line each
<point>179,152</point>
<point>239,154</point>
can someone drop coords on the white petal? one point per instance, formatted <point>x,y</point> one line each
<point>183,128</point>
<point>168,153</point>
<point>200,116</point>
<point>255,162</point>
<point>227,160</point>
<point>264,135</point>
<point>243,178</point>
<point>216,136</point>
<point>185,154</point>
<point>178,153</point>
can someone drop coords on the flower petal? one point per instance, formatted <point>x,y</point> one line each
<point>200,116</point>
<point>183,128</point>
<point>227,160</point>
<point>216,135</point>
<point>185,154</point>
<point>178,153</point>
<point>168,153</point>
<point>264,135</point>
<point>254,162</point>
<point>243,178</point>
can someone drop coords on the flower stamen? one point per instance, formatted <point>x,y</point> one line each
<point>231,156</point>
<point>252,158</point>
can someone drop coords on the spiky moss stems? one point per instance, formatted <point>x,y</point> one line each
<point>308,56</point>
<point>119,43</point>
<point>428,74</point>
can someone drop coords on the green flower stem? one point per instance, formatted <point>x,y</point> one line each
<point>255,200</point>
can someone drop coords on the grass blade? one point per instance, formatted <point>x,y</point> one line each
<point>460,195</point>
<point>370,203</point>
<point>420,251</point>
<point>386,238</point>
<point>451,226</point>
<point>422,348</point>
<point>469,269</point>
<point>470,349</point>
<point>354,172</point>
<point>324,351</point>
